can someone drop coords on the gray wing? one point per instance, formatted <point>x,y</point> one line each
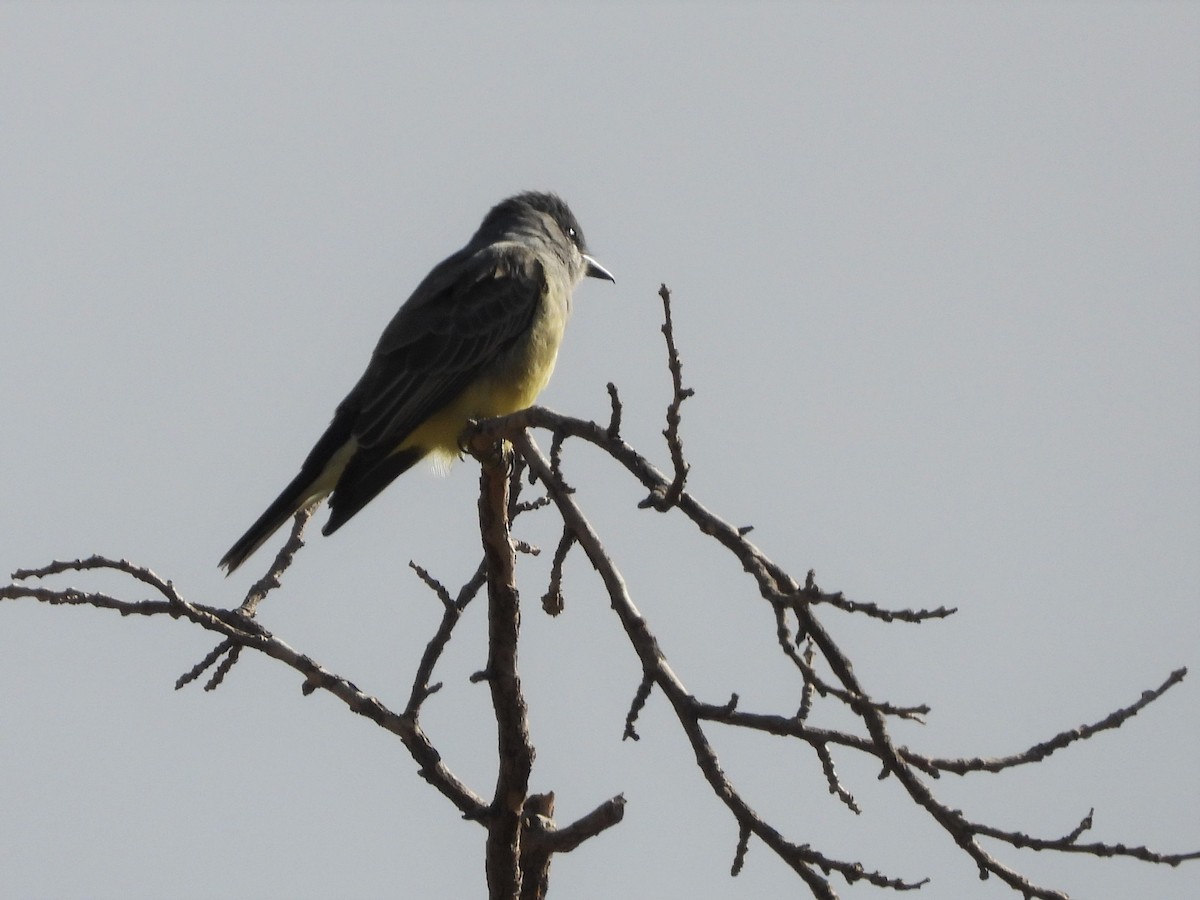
<point>467,313</point>
<point>463,317</point>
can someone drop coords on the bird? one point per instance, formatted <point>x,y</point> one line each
<point>478,337</point>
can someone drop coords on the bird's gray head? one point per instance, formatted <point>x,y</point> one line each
<point>546,218</point>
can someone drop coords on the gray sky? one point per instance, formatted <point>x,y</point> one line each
<point>938,291</point>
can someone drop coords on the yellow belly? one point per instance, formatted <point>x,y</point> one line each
<point>512,383</point>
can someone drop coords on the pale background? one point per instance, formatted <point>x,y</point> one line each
<point>937,271</point>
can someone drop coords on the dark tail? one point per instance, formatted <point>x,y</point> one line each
<point>284,507</point>
<point>362,481</point>
<point>366,473</point>
<point>295,495</point>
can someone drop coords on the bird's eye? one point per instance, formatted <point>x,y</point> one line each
<point>572,235</point>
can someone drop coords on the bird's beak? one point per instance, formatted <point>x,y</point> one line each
<point>595,270</point>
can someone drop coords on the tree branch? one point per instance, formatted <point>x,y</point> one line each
<point>504,623</point>
<point>521,834</point>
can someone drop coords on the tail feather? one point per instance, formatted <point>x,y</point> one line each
<point>336,464</point>
<point>361,482</point>
<point>317,477</point>
<point>296,496</point>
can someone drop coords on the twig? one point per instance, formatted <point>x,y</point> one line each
<point>240,630</point>
<point>664,500</point>
<point>552,600</point>
<point>1063,739</point>
<point>283,559</point>
<point>614,421</point>
<point>806,862</point>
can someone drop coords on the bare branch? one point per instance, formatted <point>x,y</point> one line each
<point>1069,844</point>
<point>835,785</point>
<point>552,600</point>
<point>522,836</point>
<point>784,593</point>
<point>433,584</point>
<point>600,819</point>
<point>452,610</point>
<point>201,667</point>
<point>504,864</point>
<point>877,612</point>
<point>283,559</point>
<point>614,423</point>
<point>664,500</point>
<point>806,862</point>
<point>244,631</point>
<point>739,855</point>
<point>635,708</point>
<point>1038,752</point>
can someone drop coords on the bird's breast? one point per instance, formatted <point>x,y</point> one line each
<point>510,383</point>
<point>520,374</point>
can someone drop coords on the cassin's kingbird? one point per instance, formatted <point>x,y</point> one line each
<point>477,338</point>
